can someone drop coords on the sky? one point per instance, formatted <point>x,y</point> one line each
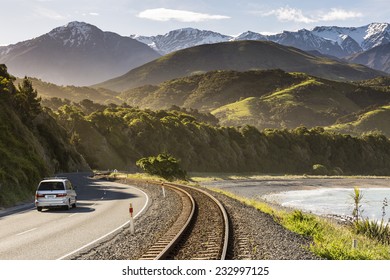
<point>26,19</point>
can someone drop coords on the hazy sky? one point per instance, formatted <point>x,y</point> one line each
<point>26,19</point>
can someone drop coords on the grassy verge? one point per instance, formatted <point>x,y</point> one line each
<point>330,240</point>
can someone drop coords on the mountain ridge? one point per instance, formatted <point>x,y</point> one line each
<point>376,58</point>
<point>239,56</point>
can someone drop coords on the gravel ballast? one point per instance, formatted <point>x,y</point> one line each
<point>256,236</point>
<point>161,213</point>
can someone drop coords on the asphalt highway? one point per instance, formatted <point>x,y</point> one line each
<point>102,208</point>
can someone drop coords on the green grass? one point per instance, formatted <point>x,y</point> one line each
<point>287,94</point>
<point>330,240</point>
<point>237,110</point>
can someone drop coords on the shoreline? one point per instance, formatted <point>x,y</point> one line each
<point>258,188</point>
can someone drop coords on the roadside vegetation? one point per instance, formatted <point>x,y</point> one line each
<point>32,145</point>
<point>373,229</point>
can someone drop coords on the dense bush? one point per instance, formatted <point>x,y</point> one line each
<point>132,133</point>
<point>163,165</point>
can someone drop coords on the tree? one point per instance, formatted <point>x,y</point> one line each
<point>164,165</point>
<point>6,81</point>
<point>26,100</point>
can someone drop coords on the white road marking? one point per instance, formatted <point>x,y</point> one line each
<point>111,232</point>
<point>72,215</point>
<point>27,231</point>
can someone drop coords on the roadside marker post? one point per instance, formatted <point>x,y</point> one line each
<point>163,190</point>
<point>354,244</point>
<point>131,210</point>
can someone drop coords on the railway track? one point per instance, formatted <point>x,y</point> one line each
<point>201,231</point>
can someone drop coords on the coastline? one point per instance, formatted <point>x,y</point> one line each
<point>260,188</point>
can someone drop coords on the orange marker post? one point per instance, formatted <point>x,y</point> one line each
<point>131,210</point>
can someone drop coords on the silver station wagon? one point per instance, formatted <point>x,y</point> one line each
<point>55,192</point>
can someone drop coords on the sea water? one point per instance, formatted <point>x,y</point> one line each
<point>335,201</point>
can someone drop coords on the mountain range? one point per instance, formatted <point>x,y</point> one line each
<point>332,40</point>
<point>75,54</point>
<point>340,42</point>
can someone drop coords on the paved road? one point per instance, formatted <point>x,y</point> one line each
<point>55,234</point>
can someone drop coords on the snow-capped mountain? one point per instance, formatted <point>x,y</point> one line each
<point>249,35</point>
<point>77,53</point>
<point>305,40</point>
<point>367,37</point>
<point>329,40</point>
<point>181,39</point>
<point>349,45</point>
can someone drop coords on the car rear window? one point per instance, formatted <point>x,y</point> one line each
<point>51,186</point>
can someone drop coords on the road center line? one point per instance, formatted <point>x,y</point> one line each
<point>27,231</point>
<point>72,215</point>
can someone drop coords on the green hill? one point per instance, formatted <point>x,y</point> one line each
<point>239,56</point>
<point>210,90</point>
<point>262,98</point>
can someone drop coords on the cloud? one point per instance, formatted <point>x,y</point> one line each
<point>93,14</point>
<point>162,14</point>
<point>339,14</point>
<point>289,14</point>
<point>47,13</point>
<point>296,15</point>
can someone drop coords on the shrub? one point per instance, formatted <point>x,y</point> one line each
<point>319,169</point>
<point>163,165</point>
<point>374,230</point>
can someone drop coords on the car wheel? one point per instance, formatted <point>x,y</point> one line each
<point>39,209</point>
<point>67,206</point>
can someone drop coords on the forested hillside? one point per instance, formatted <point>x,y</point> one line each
<point>32,145</point>
<point>116,136</point>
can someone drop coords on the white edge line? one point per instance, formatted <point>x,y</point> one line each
<point>111,232</point>
<point>27,231</point>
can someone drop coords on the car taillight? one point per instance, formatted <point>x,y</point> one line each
<point>61,194</point>
<point>39,195</point>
